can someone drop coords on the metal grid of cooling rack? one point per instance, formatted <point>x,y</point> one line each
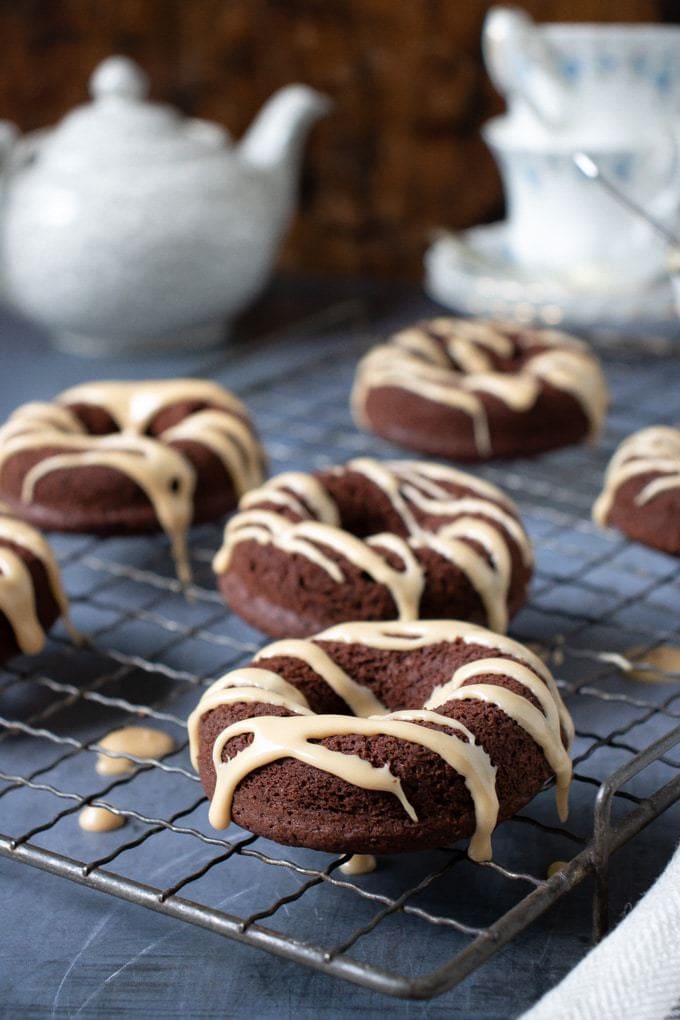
<point>150,652</point>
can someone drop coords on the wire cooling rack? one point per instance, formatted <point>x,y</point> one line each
<point>421,922</point>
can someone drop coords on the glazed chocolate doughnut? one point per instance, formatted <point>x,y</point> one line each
<point>641,494</point>
<point>130,457</point>
<point>373,541</point>
<point>382,738</point>
<point>474,390</point>
<point>31,593</point>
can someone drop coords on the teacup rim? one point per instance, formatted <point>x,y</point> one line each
<point>608,28</point>
<point>497,134</point>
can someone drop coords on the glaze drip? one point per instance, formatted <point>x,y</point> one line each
<point>359,864</point>
<point>17,597</point>
<point>143,742</point>
<point>99,819</point>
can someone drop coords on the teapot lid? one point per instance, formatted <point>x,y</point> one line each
<point>120,126</point>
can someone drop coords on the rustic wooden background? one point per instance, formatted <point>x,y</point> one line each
<point>399,156</point>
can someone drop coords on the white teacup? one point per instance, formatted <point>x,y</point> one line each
<point>584,77</point>
<point>558,220</point>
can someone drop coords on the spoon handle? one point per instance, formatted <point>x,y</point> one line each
<point>589,168</point>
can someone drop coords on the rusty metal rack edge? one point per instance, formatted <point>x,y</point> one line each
<point>593,861</point>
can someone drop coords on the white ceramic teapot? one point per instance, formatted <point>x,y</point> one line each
<point>130,227</point>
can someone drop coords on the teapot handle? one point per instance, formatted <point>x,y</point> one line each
<point>26,148</point>
<point>523,66</point>
<point>8,137</point>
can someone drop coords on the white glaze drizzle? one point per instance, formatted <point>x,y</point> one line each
<point>305,538</point>
<point>543,688</point>
<point>547,733</point>
<point>37,416</point>
<point>162,472</point>
<point>654,450</point>
<point>17,596</point>
<point>165,476</point>
<point>487,518</point>
<point>133,405</point>
<point>534,723</point>
<point>283,490</point>
<point>229,438</point>
<point>490,580</point>
<point>413,361</point>
<point>244,685</point>
<point>276,738</point>
<point>360,699</point>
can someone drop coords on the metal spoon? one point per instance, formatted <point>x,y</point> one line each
<point>590,169</point>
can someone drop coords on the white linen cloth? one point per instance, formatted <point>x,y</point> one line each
<point>634,972</point>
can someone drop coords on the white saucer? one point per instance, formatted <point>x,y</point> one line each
<point>473,273</point>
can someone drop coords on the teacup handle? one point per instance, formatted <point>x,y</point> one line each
<point>522,65</point>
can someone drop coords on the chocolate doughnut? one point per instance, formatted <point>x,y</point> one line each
<point>641,494</point>
<point>474,390</point>
<point>130,457</point>
<point>373,541</point>
<point>382,738</point>
<point>31,592</point>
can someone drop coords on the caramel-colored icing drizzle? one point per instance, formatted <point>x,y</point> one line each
<point>555,867</point>
<point>17,595</point>
<point>140,741</point>
<point>359,864</point>
<point>99,819</point>
<point>162,472</point>
<point>653,665</point>
<point>414,361</point>
<point>357,697</point>
<point>297,735</point>
<point>655,450</point>
<point>406,484</point>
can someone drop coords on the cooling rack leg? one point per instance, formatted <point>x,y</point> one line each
<point>601,851</point>
<point>607,839</point>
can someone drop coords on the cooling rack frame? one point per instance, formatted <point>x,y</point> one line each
<point>130,588</point>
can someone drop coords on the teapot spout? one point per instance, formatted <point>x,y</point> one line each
<point>8,135</point>
<point>275,139</point>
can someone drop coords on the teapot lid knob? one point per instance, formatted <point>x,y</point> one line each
<point>120,77</point>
